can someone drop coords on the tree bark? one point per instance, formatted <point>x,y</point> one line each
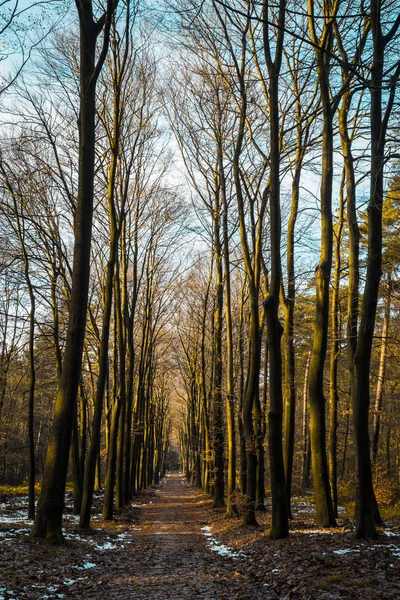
<point>280,517</point>
<point>218,433</point>
<point>48,521</point>
<point>376,426</point>
<point>335,350</point>
<point>366,506</point>
<point>323,498</point>
<point>230,395</point>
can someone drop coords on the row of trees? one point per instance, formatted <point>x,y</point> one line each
<point>87,313</point>
<point>283,118</point>
<point>271,97</point>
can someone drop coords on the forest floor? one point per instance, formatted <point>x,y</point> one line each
<point>171,543</point>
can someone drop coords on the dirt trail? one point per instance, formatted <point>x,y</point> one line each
<point>161,548</point>
<point>166,545</point>
<point>173,555</point>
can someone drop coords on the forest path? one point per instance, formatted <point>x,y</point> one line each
<point>173,555</point>
<point>164,546</point>
<point>160,548</point>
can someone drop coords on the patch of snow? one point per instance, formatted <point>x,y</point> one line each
<point>107,546</point>
<point>110,546</point>
<point>207,529</point>
<point>11,533</point>
<point>73,518</point>
<point>126,536</point>
<point>86,565</point>
<point>313,531</point>
<point>215,546</point>
<point>71,536</point>
<point>72,581</point>
<point>394,550</point>
<point>18,516</point>
<point>223,550</point>
<point>22,499</point>
<point>303,510</point>
<point>391,533</point>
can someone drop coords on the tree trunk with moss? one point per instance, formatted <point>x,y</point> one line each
<point>218,426</point>
<point>366,506</point>
<point>376,425</point>
<point>323,498</point>
<point>242,443</point>
<point>280,521</point>
<point>90,467</point>
<point>230,393</point>
<point>252,264</point>
<point>334,358</point>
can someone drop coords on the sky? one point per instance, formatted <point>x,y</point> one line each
<point>24,25</point>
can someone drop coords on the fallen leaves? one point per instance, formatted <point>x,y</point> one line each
<point>170,543</point>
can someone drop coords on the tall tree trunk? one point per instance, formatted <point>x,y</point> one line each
<point>31,394</point>
<point>248,405</point>
<point>119,303</point>
<point>288,331</point>
<point>280,522</point>
<point>253,276</point>
<point>376,426</point>
<point>366,506</point>
<point>129,309</point>
<point>90,468</point>
<point>230,393</point>
<point>334,358</point>
<point>242,442</point>
<point>218,432</point>
<point>323,498</point>
<point>108,505</point>
<point>306,463</point>
<point>48,521</point>
<point>82,430</point>
<point>77,478</point>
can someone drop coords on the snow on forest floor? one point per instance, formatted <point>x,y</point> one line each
<point>171,543</point>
